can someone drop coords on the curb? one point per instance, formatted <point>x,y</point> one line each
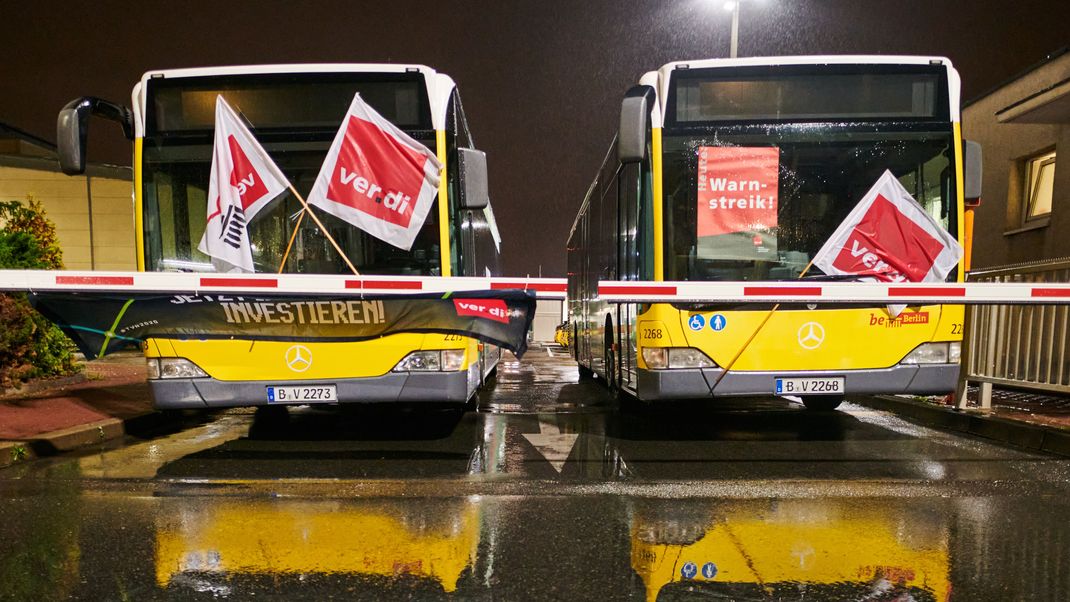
<point>54,442</point>
<point>1013,432</point>
<point>83,435</point>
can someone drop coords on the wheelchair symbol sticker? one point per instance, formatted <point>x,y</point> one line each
<point>689,570</point>
<point>718,322</point>
<point>696,322</point>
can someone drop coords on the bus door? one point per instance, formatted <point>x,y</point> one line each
<point>628,259</point>
<point>585,303</point>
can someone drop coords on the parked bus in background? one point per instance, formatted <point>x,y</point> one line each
<point>739,170</point>
<point>294,112</point>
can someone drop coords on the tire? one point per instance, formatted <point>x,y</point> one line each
<point>573,347</point>
<point>271,418</point>
<point>822,403</point>
<point>472,405</point>
<point>609,358</point>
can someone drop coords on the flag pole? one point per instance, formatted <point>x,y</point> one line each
<point>323,229</point>
<point>754,335</point>
<point>260,150</point>
<point>293,237</point>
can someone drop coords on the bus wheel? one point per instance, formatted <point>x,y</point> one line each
<point>822,403</point>
<point>272,417</point>
<point>610,360</point>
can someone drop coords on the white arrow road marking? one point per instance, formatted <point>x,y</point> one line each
<point>554,445</point>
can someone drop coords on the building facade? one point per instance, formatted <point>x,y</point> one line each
<point>93,213</point>
<point>1024,130</point>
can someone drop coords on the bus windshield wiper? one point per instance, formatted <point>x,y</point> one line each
<point>830,277</point>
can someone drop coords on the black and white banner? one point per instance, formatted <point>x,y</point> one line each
<point>103,322</point>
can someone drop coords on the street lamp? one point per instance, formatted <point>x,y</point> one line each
<point>733,5</point>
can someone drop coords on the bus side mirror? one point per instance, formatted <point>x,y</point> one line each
<point>973,172</point>
<point>634,122</point>
<point>472,170</point>
<point>72,128</point>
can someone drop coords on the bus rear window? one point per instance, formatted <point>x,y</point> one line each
<point>787,93</point>
<point>285,101</point>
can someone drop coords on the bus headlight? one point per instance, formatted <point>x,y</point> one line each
<point>452,359</point>
<point>672,358</point>
<point>934,353</point>
<point>445,360</point>
<point>172,367</point>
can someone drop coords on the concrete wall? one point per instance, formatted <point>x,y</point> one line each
<point>1000,237</point>
<point>101,239</point>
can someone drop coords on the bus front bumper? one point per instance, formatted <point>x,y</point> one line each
<point>394,387</point>
<point>926,379</point>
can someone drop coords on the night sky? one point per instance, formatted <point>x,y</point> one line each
<point>541,80</point>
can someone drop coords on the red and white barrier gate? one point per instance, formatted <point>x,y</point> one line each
<point>957,293</point>
<point>265,284</point>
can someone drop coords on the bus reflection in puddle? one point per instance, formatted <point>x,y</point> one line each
<point>788,550</point>
<point>240,546</point>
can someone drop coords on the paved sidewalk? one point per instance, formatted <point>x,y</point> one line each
<point>52,416</point>
<point>1029,420</point>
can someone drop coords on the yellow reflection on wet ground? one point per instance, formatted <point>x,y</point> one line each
<point>796,549</point>
<point>209,546</point>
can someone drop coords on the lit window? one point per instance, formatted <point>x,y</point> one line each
<point>1039,183</point>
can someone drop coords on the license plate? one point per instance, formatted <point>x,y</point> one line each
<point>829,385</point>
<point>302,394</point>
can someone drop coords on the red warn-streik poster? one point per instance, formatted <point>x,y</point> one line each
<point>737,189</point>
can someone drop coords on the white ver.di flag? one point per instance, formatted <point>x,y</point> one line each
<point>377,177</point>
<point>243,181</point>
<point>889,237</point>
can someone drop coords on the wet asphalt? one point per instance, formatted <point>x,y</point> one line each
<point>550,491</point>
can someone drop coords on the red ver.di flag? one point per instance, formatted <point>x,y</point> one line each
<point>888,237</point>
<point>377,178</point>
<point>243,181</point>
<point>737,201</point>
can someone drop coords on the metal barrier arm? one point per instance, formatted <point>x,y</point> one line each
<point>263,284</point>
<point>955,293</point>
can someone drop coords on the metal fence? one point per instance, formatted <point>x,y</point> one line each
<point>1019,346</point>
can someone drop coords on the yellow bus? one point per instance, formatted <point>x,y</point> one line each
<point>294,111</point>
<point>739,170</point>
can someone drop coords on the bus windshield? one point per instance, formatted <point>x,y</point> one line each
<point>749,202</point>
<point>763,162</point>
<point>294,117</point>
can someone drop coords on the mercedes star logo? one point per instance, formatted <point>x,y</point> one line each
<point>298,358</point>
<point>811,335</point>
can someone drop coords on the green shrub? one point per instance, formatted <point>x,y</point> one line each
<point>30,345</point>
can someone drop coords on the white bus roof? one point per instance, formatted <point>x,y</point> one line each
<point>439,85</point>
<point>660,78</point>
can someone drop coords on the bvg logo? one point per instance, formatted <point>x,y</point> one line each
<point>245,184</point>
<point>492,309</point>
<point>298,358</point>
<point>250,185</point>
